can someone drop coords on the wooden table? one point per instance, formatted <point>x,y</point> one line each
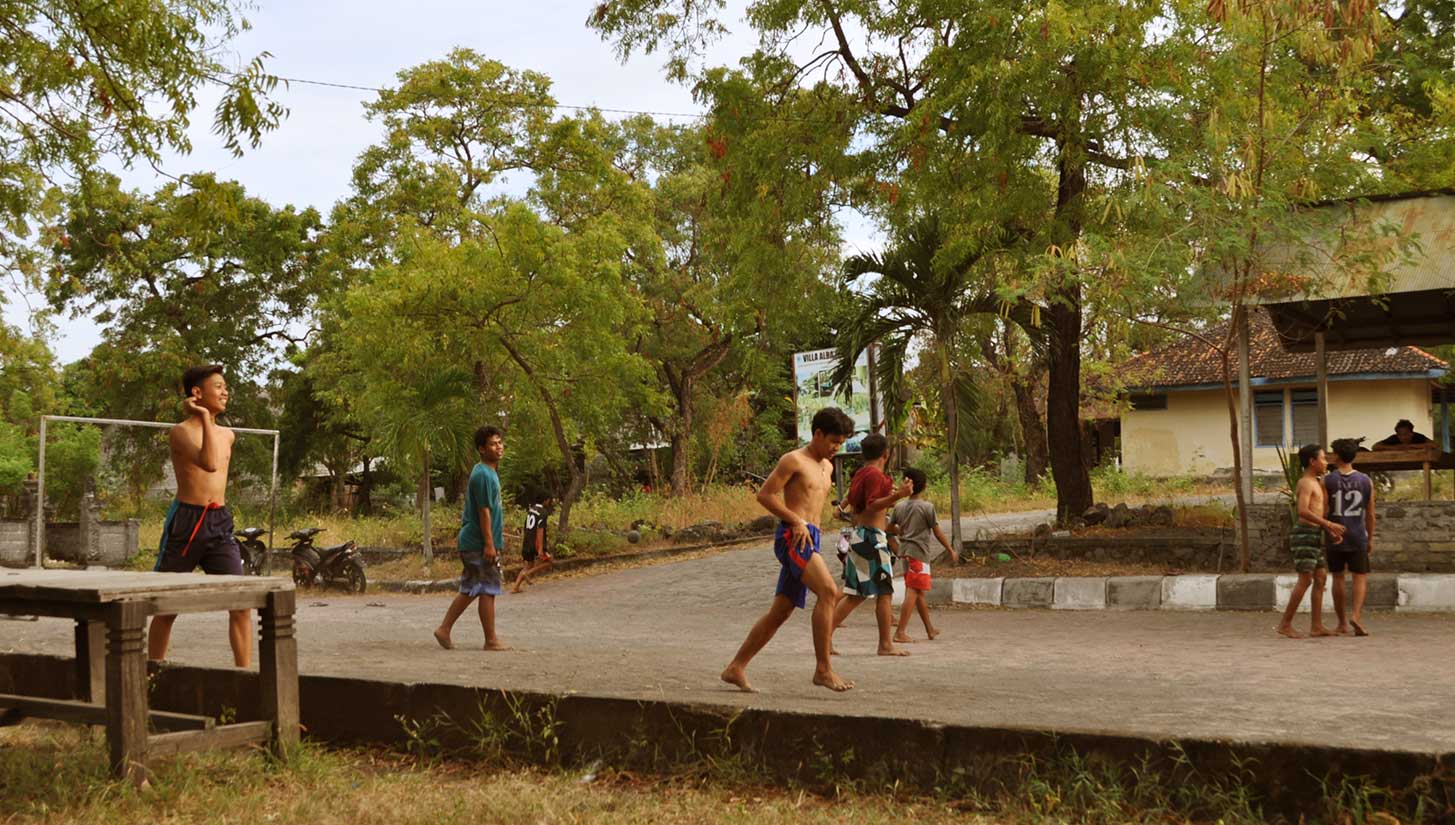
<point>1425,457</point>
<point>110,609</point>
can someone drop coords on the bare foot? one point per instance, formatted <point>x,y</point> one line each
<point>1289,632</point>
<point>1359,628</point>
<point>833,651</point>
<point>497,645</point>
<point>892,651</point>
<point>832,681</point>
<point>736,676</point>
<point>1319,631</point>
<point>515,589</point>
<point>934,633</point>
<point>1341,630</point>
<point>904,640</point>
<point>444,640</point>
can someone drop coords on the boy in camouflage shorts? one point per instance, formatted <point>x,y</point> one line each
<point>1306,540</point>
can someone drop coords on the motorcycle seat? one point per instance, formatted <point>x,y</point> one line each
<point>305,533</point>
<point>335,547</point>
<point>251,532</point>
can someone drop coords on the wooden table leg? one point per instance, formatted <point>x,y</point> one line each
<point>278,670</point>
<point>126,689</point>
<point>91,661</point>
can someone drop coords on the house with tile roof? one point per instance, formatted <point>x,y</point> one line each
<point>1175,420</point>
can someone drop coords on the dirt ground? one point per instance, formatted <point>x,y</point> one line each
<point>665,631</point>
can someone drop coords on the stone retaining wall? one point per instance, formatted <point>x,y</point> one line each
<point>106,543</point>
<point>1201,549</point>
<point>1409,536</point>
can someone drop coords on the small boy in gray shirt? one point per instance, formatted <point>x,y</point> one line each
<point>911,526</point>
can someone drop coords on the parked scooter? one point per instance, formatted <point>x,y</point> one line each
<point>254,553</point>
<point>338,565</point>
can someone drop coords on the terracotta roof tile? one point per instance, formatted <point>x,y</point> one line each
<point>1191,362</point>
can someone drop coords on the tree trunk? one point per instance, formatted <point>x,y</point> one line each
<point>576,480</point>
<point>424,511</point>
<point>1033,429</point>
<point>952,421</point>
<point>1239,318</point>
<point>1063,414</point>
<point>1063,397</point>
<point>682,438</point>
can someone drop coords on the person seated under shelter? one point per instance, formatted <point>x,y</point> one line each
<point>1404,436</point>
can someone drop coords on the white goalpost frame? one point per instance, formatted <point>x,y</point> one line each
<point>156,425</point>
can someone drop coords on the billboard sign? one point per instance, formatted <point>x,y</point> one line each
<point>813,391</point>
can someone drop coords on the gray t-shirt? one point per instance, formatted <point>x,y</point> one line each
<point>916,520</point>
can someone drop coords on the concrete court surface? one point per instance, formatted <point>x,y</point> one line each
<point>666,631</point>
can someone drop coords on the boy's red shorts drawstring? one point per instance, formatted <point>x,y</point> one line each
<point>211,505</point>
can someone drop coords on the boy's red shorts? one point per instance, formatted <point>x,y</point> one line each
<point>917,574</point>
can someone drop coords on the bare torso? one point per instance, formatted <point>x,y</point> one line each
<point>808,488</point>
<point>195,483</point>
<point>1313,488</point>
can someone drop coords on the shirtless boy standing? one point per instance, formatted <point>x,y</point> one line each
<point>1306,540</point>
<point>198,529</point>
<point>803,476</point>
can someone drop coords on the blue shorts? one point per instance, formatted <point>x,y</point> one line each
<point>479,576</point>
<point>794,561</point>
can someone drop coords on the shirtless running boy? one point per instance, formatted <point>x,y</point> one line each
<point>198,528</point>
<point>803,476</point>
<point>1306,540</point>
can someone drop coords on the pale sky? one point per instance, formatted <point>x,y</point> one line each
<point>308,160</point>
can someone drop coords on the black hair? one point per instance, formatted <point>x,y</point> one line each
<point>832,421</point>
<point>1307,453</point>
<point>194,376</point>
<point>1406,423</point>
<point>484,434</point>
<point>1346,448</point>
<point>916,479</point>
<point>873,446</point>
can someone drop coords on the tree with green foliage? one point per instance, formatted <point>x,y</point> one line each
<point>31,386</point>
<point>196,272</point>
<point>534,308</point>
<point>709,294</point>
<point>985,113</point>
<point>82,82</point>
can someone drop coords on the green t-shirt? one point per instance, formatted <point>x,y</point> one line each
<point>483,490</point>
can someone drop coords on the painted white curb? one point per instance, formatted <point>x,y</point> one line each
<point>1079,593</point>
<point>1190,593</point>
<point>976,591</point>
<point>1426,591</point>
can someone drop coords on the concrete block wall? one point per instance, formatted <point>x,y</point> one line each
<point>1418,536</point>
<point>1410,536</point>
<point>106,543</point>
<point>15,542</point>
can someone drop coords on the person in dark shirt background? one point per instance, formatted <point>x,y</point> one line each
<point>1404,435</point>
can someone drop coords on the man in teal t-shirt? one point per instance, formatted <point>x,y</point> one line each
<point>482,534</point>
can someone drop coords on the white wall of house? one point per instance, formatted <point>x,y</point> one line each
<point>1191,434</point>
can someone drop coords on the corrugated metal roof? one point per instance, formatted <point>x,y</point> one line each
<point>1402,244</point>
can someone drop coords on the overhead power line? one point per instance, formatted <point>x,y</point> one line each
<point>522,102</point>
<point>530,103</point>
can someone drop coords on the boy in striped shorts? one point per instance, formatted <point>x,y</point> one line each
<point>1306,540</point>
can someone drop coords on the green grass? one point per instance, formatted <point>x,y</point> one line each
<point>56,775</point>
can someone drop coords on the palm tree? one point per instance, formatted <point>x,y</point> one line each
<point>923,292</point>
<point>433,416</point>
